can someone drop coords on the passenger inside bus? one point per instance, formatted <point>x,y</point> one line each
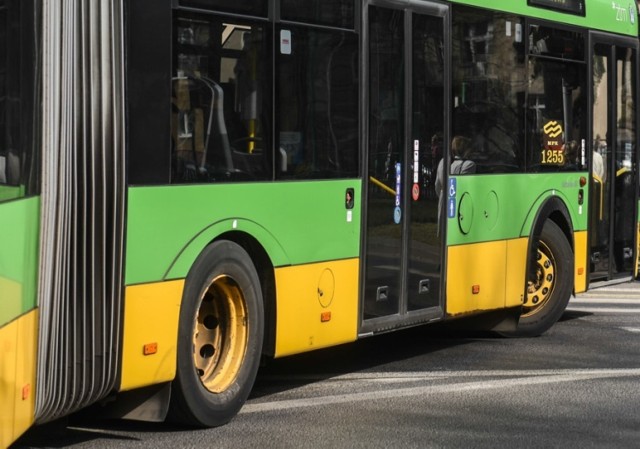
<point>460,164</point>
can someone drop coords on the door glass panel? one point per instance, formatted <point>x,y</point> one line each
<point>614,165</point>
<point>625,162</point>
<point>386,159</point>
<point>600,182</point>
<point>423,277</point>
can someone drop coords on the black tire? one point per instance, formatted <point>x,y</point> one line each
<point>220,337</point>
<point>550,284</point>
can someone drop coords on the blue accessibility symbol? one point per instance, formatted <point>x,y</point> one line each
<point>453,187</point>
<point>397,215</point>
<point>451,209</point>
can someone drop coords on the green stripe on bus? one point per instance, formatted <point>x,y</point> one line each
<point>499,207</point>
<point>617,17</point>
<point>18,257</point>
<point>296,222</point>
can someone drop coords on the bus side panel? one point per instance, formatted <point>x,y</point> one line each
<point>18,258</point>
<point>317,306</point>
<point>18,315</point>
<point>150,333</point>
<point>299,223</point>
<point>17,377</point>
<point>516,271</point>
<point>503,207</point>
<point>580,242</point>
<point>182,264</point>
<point>473,282</point>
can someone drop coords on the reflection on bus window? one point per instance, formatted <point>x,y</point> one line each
<point>336,13</point>
<point>386,97</point>
<point>317,103</point>
<point>250,7</point>
<point>489,85</point>
<point>221,98</point>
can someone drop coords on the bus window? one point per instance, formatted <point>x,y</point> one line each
<point>556,106</point>
<point>221,98</point>
<point>317,103</point>
<point>249,7</point>
<point>489,86</point>
<point>336,13</point>
<point>18,112</point>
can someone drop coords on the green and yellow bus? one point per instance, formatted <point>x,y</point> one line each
<point>188,187</point>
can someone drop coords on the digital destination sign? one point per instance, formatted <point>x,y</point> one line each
<point>572,6</point>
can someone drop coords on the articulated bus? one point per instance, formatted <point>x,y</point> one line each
<point>191,187</point>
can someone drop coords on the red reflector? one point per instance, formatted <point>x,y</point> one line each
<point>475,289</point>
<point>580,271</point>
<point>150,348</point>
<point>26,391</point>
<point>325,316</point>
<point>583,181</point>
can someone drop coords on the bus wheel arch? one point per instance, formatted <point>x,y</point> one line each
<point>266,273</point>
<point>220,336</point>
<point>550,270</point>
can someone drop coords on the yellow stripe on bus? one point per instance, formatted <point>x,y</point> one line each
<point>17,376</point>
<point>317,305</point>
<point>581,247</point>
<point>476,276</point>
<point>11,299</point>
<point>150,333</point>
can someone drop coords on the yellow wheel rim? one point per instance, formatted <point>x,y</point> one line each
<point>220,334</point>
<point>539,289</point>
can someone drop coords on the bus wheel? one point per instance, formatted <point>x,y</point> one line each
<point>550,283</point>
<point>219,338</point>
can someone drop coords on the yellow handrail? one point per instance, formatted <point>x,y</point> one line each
<point>382,185</point>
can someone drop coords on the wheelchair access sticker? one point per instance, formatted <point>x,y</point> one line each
<point>451,206</point>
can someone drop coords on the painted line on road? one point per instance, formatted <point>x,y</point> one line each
<point>533,378</point>
<point>608,296</point>
<point>420,375</point>
<point>602,310</point>
<point>604,300</point>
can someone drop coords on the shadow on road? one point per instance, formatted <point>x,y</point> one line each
<point>569,315</point>
<point>372,353</point>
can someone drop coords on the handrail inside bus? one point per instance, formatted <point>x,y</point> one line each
<point>382,185</point>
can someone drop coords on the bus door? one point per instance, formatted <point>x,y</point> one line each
<point>406,129</point>
<point>612,225</point>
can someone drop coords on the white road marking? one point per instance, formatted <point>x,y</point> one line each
<point>635,302</point>
<point>517,379</point>
<point>602,310</point>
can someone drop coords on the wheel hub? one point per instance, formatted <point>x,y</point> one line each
<point>220,334</point>
<point>540,287</point>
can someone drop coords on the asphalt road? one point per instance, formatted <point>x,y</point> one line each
<point>576,386</point>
